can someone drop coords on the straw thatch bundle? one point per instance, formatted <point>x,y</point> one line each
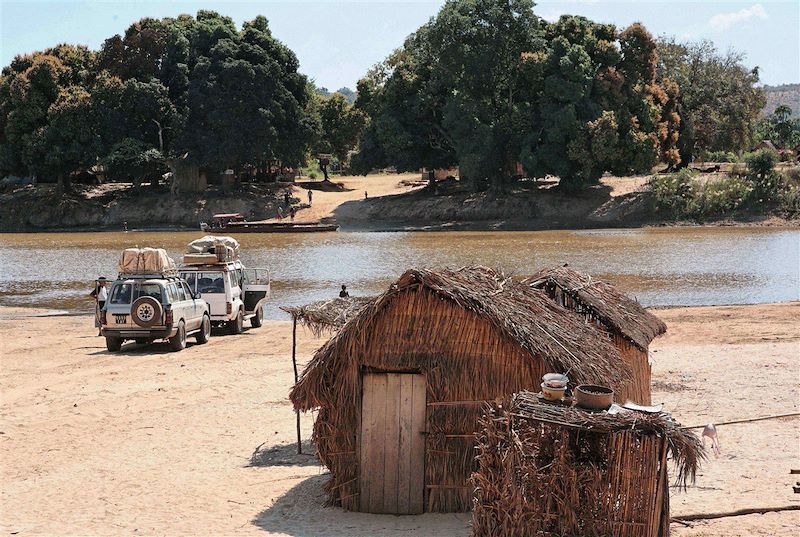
<point>475,335</point>
<point>327,314</point>
<point>611,307</point>
<point>551,470</point>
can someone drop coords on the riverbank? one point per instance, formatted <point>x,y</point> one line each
<point>153,442</point>
<point>387,202</point>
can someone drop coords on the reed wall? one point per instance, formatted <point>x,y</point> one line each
<point>466,360</point>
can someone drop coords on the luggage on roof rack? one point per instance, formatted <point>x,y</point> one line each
<point>211,249</point>
<point>146,261</point>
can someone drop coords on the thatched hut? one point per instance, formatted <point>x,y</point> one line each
<point>401,386</point>
<point>553,470</point>
<point>630,325</point>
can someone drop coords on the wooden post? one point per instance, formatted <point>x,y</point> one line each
<point>294,364</point>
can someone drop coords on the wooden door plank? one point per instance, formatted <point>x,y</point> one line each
<point>391,443</point>
<point>367,403</point>
<point>404,444</point>
<point>417,474</point>
<point>376,452</point>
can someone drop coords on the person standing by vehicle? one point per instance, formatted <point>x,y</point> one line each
<point>100,295</point>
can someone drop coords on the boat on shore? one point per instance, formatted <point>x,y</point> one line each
<point>236,223</point>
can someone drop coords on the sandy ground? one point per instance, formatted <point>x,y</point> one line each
<point>149,442</point>
<point>324,203</point>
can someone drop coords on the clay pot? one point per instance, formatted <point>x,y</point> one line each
<point>594,397</point>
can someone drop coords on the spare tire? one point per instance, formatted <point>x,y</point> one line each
<point>146,311</point>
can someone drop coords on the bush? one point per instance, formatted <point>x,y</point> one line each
<point>722,156</point>
<point>761,162</point>
<point>789,200</point>
<point>767,184</point>
<point>721,196</point>
<point>674,192</point>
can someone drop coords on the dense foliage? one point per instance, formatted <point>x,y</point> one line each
<point>686,195</point>
<point>487,85</point>
<point>718,100</point>
<point>194,90</point>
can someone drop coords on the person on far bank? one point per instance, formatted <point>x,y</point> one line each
<point>100,295</point>
<point>310,196</point>
<point>343,293</point>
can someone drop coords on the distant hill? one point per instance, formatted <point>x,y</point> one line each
<point>788,94</point>
<point>349,94</point>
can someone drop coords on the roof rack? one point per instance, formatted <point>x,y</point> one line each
<point>148,276</point>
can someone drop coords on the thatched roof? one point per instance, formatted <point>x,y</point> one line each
<point>327,314</point>
<point>526,315</point>
<point>686,449</point>
<point>614,309</point>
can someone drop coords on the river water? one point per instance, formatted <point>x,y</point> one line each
<point>658,266</point>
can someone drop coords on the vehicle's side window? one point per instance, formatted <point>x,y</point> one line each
<point>190,278</point>
<point>181,292</point>
<point>121,294</point>
<point>172,292</point>
<point>188,292</point>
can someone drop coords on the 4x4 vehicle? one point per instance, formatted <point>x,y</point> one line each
<point>233,292</point>
<point>145,308</point>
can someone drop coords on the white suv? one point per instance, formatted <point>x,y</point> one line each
<point>146,308</point>
<point>233,292</point>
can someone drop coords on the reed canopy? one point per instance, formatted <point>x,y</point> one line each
<point>629,324</point>
<point>401,386</point>
<point>551,470</point>
<point>327,314</point>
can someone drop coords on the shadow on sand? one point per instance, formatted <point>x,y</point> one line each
<point>301,512</point>
<point>283,455</point>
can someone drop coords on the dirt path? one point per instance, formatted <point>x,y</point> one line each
<point>151,442</point>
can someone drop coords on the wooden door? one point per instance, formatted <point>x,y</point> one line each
<point>392,459</point>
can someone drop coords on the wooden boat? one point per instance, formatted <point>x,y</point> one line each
<point>236,223</point>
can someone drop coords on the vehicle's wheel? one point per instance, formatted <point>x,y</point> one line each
<point>178,341</point>
<point>113,343</point>
<point>146,311</point>
<point>257,319</point>
<point>205,330</point>
<point>236,326</point>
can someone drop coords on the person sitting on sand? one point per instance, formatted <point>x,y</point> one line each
<point>343,293</point>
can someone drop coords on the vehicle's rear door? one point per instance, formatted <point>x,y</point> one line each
<point>257,286</point>
<point>118,306</point>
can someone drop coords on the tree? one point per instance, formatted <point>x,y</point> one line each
<point>340,125</point>
<point>596,102</point>
<point>134,160</point>
<point>68,141</point>
<point>29,86</point>
<point>718,101</point>
<point>488,84</point>
<point>780,127</point>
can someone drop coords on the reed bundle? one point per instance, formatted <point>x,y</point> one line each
<point>327,314</point>
<point>475,335</point>
<point>550,470</point>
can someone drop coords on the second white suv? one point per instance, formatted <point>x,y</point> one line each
<point>234,293</point>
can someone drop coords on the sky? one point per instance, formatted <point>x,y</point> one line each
<point>337,41</point>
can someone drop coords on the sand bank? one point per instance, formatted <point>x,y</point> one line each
<point>153,442</point>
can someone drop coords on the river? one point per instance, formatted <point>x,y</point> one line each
<point>658,266</point>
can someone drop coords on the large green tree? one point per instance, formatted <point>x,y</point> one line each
<point>340,125</point>
<point>718,101</point>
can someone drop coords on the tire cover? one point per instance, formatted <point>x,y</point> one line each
<point>146,311</point>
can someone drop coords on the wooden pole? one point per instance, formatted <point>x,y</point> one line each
<point>294,364</point>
